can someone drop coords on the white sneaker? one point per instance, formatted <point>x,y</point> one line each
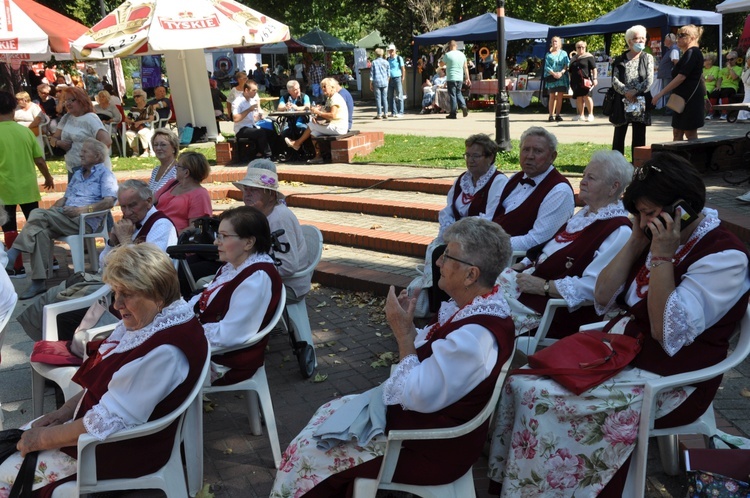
<point>576,118</point>
<point>398,116</point>
<point>590,118</point>
<point>744,197</point>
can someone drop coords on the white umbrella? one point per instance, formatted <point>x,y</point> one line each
<point>180,30</point>
<point>30,31</point>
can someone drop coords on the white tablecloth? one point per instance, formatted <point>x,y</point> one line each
<point>521,98</point>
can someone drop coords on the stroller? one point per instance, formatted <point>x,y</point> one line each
<point>199,241</point>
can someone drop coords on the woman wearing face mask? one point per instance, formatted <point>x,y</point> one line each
<point>632,77</point>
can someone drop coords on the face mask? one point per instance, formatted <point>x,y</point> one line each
<point>638,47</point>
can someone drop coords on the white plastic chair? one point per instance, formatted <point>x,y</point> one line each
<point>3,325</point>
<point>528,344</point>
<point>463,487</point>
<point>171,477</point>
<point>60,374</point>
<point>163,122</point>
<point>113,130</point>
<point>258,383</point>
<point>667,438</point>
<point>75,242</point>
<point>295,314</point>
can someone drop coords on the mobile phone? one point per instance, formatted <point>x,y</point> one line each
<point>687,215</point>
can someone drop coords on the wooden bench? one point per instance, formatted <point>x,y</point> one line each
<point>731,110</point>
<point>343,148</point>
<point>714,154</point>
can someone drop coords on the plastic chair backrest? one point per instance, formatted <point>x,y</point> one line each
<point>314,242</point>
<point>4,323</point>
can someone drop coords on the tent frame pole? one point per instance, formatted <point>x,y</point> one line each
<point>502,107</point>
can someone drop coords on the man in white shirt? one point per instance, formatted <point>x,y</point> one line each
<point>140,222</point>
<point>538,200</point>
<point>245,113</point>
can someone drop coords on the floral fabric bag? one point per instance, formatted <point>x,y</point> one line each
<point>725,472</point>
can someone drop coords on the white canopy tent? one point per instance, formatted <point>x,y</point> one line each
<point>733,6</point>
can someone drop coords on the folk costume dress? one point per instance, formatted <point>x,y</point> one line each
<point>572,258</point>
<point>445,384</point>
<point>135,376</point>
<point>550,442</point>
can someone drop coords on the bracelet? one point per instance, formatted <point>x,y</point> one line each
<point>662,258</point>
<point>659,263</point>
<point>91,208</point>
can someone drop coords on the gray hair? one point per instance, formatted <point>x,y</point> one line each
<point>170,136</point>
<point>634,31</point>
<point>489,146</point>
<point>292,84</point>
<point>379,52</point>
<point>616,167</point>
<point>732,53</point>
<point>671,37</point>
<point>139,186</point>
<point>538,131</point>
<point>482,242</point>
<point>101,150</point>
<point>263,163</point>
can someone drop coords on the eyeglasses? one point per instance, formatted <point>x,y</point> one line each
<point>448,256</point>
<point>640,174</point>
<point>474,157</point>
<point>580,47</point>
<point>221,236</point>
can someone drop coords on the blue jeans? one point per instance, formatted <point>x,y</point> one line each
<point>381,99</point>
<point>395,91</point>
<point>456,97</point>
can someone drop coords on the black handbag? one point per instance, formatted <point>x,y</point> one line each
<point>8,440</point>
<point>25,478</point>
<point>608,104</point>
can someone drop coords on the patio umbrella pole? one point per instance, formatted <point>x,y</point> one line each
<point>187,82</point>
<point>502,109</point>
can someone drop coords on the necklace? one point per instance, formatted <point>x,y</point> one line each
<point>644,274</point>
<point>435,330</point>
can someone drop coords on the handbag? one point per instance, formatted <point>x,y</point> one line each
<point>584,360</point>
<point>609,102</point>
<point>677,103</point>
<point>25,479</point>
<point>587,82</point>
<point>8,440</point>
<point>708,482</point>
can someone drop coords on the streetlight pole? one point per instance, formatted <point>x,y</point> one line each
<point>502,107</point>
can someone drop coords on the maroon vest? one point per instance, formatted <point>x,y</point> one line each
<point>581,253</point>
<point>478,205</point>
<point>445,460</point>
<point>124,459</point>
<point>521,220</point>
<point>146,228</point>
<point>709,348</point>
<point>243,362</point>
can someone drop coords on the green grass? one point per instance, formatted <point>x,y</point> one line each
<point>444,152</point>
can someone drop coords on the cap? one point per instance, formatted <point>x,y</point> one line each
<point>391,47</point>
<point>259,178</point>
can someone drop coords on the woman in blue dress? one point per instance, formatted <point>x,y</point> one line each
<point>556,77</point>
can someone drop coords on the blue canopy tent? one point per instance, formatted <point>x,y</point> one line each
<point>483,28</point>
<point>647,14</point>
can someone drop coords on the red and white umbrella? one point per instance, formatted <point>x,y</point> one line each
<point>32,31</point>
<point>139,27</point>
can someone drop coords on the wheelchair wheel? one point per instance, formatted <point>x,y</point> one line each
<point>306,360</point>
<point>732,116</point>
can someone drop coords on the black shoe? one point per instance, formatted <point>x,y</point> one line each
<point>558,118</point>
<point>13,273</point>
<point>465,111</point>
<point>551,119</point>
<point>450,116</point>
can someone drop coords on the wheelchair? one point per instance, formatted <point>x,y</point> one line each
<point>199,241</point>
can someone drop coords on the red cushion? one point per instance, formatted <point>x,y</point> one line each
<point>54,353</point>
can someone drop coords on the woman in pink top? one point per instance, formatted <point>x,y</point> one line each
<point>184,199</point>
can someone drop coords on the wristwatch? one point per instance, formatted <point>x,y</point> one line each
<point>546,288</point>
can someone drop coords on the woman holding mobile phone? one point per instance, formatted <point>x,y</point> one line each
<point>683,292</point>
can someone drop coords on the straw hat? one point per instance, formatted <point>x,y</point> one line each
<point>260,178</point>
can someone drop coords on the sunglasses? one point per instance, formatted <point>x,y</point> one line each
<point>682,35</point>
<point>641,174</point>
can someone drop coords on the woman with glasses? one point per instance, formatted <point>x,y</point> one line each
<point>680,282</point>
<point>632,77</point>
<point>582,81</point>
<point>727,85</point>
<point>184,199</point>
<point>165,144</point>
<point>243,296</point>
<point>476,192</point>
<point>687,82</point>
<point>140,120</point>
<point>79,122</point>
<point>445,376</point>
<point>567,265</point>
